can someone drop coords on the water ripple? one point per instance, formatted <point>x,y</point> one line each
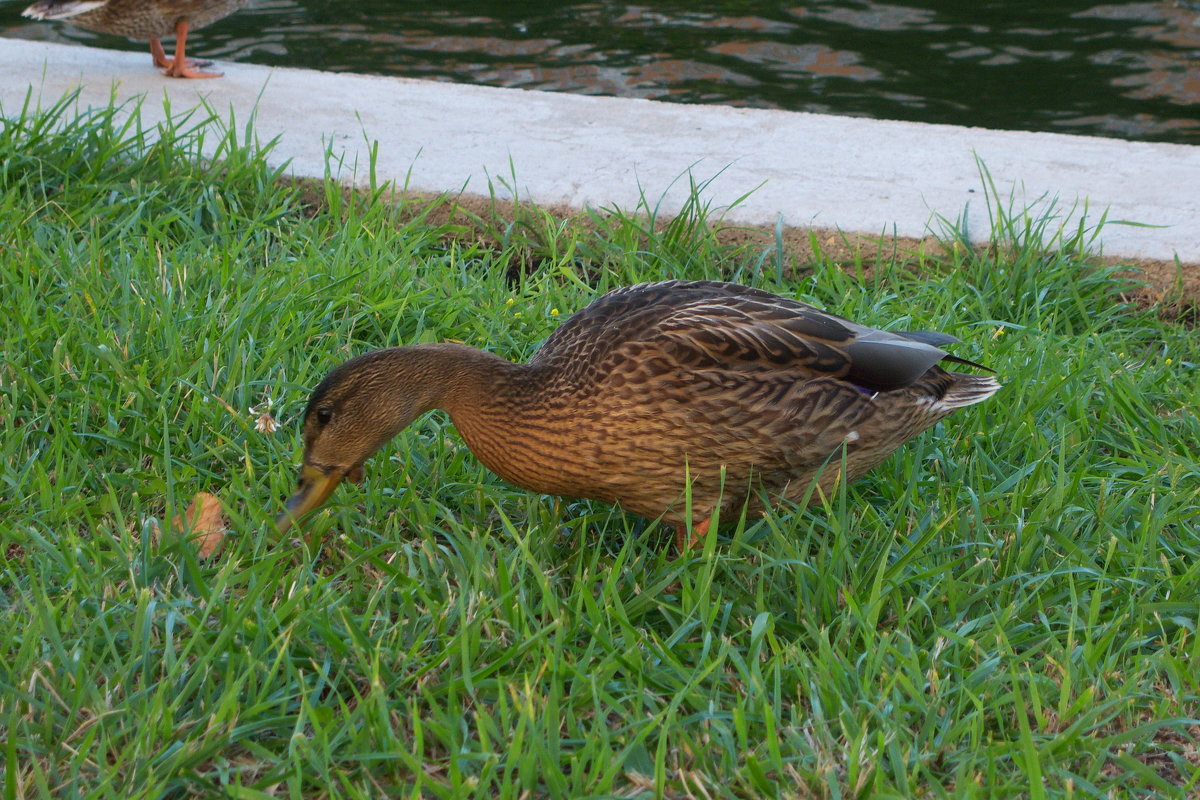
<point>1113,69</point>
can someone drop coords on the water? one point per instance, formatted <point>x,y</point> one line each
<point>1129,70</point>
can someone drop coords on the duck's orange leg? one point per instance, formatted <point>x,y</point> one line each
<point>180,66</point>
<point>161,60</point>
<point>685,543</point>
<point>160,55</point>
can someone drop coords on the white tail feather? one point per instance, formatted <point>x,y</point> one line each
<point>968,390</point>
<point>58,9</point>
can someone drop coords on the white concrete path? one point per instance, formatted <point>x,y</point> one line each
<point>858,175</point>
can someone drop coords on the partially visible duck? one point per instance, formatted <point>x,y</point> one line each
<point>144,20</point>
<point>651,395</point>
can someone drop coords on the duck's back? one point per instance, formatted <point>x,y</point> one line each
<point>633,318</point>
<point>720,325</point>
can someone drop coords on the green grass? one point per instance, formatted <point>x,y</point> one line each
<point>1006,608</point>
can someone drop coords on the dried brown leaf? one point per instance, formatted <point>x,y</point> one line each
<point>206,523</point>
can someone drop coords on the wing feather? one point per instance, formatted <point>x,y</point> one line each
<point>709,324</point>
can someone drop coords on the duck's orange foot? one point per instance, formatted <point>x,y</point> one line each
<point>188,63</point>
<point>161,60</point>
<point>685,543</point>
<point>188,70</point>
<point>180,66</point>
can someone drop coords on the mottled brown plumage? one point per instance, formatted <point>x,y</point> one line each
<point>750,396</point>
<point>143,20</point>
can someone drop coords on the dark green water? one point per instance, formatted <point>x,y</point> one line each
<point>1129,70</point>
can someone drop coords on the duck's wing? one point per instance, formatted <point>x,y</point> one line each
<point>714,324</point>
<point>766,331</point>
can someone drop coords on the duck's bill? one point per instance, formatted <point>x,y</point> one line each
<point>314,489</point>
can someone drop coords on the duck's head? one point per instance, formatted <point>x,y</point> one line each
<point>353,412</point>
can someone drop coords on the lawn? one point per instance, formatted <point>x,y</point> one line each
<point>1007,607</point>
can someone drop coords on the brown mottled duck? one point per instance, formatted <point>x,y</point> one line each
<point>749,396</point>
<point>144,20</point>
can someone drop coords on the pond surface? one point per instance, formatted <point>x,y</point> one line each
<point>1130,70</point>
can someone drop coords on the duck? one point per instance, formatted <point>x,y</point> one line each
<point>144,20</point>
<point>674,400</point>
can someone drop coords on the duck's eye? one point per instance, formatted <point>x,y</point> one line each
<point>324,415</point>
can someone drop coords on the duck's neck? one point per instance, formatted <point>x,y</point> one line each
<point>461,379</point>
<point>498,408</point>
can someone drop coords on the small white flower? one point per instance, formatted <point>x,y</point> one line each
<point>264,407</point>
<point>265,422</point>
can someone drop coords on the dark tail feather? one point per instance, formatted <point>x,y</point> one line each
<point>958,360</point>
<point>939,340</point>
